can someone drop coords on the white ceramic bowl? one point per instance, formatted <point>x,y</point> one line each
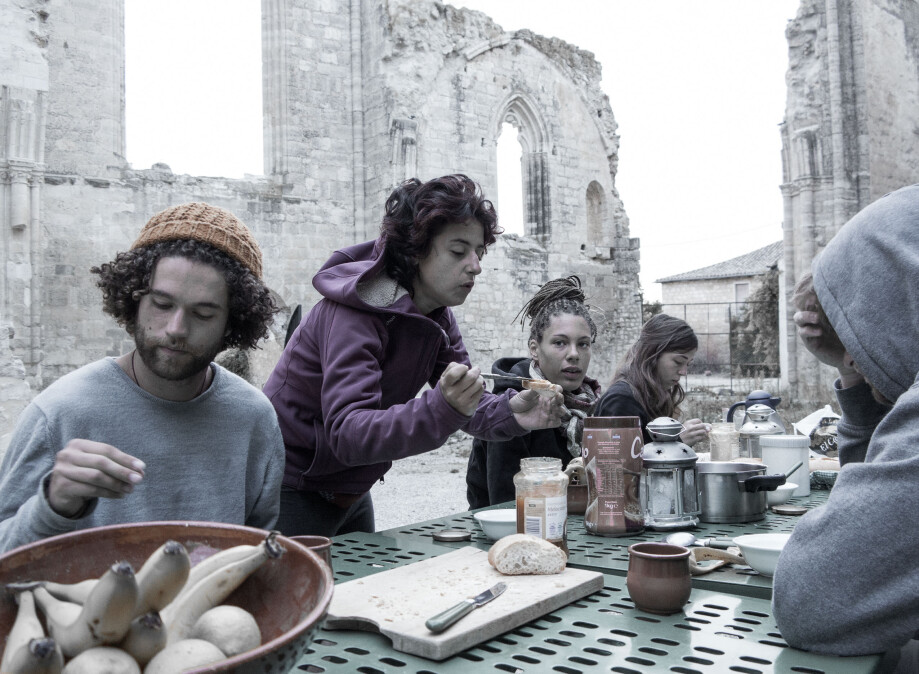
<point>497,523</point>
<point>762,550</point>
<point>781,494</point>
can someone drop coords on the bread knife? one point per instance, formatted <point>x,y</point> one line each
<point>443,620</point>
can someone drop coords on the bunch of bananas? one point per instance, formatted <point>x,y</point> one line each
<point>165,618</point>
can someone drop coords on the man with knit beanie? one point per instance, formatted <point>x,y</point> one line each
<point>161,432</point>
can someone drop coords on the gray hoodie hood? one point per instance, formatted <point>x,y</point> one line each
<point>867,280</point>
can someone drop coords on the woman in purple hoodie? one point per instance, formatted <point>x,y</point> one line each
<point>346,388</point>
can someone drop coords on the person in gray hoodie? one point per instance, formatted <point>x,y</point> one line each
<point>846,582</point>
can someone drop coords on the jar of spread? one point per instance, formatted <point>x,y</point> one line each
<point>542,499</point>
<point>724,440</point>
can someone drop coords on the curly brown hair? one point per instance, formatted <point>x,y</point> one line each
<point>416,213</point>
<point>126,279</point>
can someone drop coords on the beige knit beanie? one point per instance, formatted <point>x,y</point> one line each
<point>210,224</point>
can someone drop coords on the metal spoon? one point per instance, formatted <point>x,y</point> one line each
<point>687,539</point>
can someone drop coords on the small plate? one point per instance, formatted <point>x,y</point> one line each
<point>789,510</point>
<point>452,535</point>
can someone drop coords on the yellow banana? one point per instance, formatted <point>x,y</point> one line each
<point>56,610</point>
<point>159,580</point>
<point>181,615</point>
<point>27,649</point>
<point>145,638</point>
<point>39,656</point>
<point>210,564</point>
<point>72,592</point>
<point>103,619</point>
<point>162,577</point>
<point>75,593</point>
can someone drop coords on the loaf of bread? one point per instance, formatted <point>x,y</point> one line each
<point>523,554</point>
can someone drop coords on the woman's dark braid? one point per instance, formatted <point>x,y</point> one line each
<point>557,297</point>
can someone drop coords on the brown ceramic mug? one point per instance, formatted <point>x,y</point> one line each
<point>658,578</point>
<point>321,545</point>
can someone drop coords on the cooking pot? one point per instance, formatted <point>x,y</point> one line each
<point>734,492</point>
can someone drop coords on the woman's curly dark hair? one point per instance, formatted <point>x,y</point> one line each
<point>126,279</point>
<point>558,297</point>
<point>416,212</point>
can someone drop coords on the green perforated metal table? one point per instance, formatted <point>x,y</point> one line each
<point>611,554</point>
<point>717,632</point>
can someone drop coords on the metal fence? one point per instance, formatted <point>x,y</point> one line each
<point>726,358</point>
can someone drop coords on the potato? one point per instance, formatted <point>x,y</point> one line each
<point>184,655</point>
<point>232,629</point>
<point>102,660</point>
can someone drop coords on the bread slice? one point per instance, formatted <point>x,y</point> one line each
<point>523,554</point>
<point>543,387</point>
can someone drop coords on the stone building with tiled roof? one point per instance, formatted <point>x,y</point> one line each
<point>755,263</point>
<point>708,297</point>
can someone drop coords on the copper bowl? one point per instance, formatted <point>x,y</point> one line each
<point>289,596</point>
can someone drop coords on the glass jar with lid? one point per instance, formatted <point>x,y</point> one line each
<point>542,499</point>
<point>724,441</point>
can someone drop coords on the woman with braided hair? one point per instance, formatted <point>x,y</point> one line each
<point>561,335</point>
<point>647,381</point>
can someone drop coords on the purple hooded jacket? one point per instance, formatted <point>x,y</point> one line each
<point>345,387</point>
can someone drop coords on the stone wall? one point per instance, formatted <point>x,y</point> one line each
<point>357,97</point>
<point>849,136</point>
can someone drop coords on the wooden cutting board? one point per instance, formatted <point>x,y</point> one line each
<point>397,602</point>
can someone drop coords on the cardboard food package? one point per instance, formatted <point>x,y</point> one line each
<point>611,448</point>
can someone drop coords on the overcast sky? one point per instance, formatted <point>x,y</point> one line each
<point>697,88</point>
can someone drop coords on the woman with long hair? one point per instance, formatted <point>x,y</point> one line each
<point>647,381</point>
<point>561,335</point>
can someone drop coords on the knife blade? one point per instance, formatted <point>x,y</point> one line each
<point>489,375</point>
<point>444,619</point>
<point>719,543</point>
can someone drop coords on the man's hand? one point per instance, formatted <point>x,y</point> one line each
<point>826,347</point>
<point>822,343</point>
<point>533,410</point>
<point>85,470</point>
<point>694,430</point>
<point>462,388</point>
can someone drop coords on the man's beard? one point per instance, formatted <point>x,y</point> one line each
<point>173,371</point>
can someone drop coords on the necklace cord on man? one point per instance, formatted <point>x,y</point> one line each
<point>134,375</point>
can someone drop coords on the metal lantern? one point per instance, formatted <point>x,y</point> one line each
<point>670,497</point>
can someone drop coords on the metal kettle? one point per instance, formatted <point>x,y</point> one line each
<point>758,421</point>
<point>759,397</point>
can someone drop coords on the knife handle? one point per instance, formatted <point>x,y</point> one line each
<point>443,620</point>
<point>720,543</point>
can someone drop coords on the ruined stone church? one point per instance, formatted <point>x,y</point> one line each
<point>361,94</point>
<point>358,96</point>
<point>850,135</point>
